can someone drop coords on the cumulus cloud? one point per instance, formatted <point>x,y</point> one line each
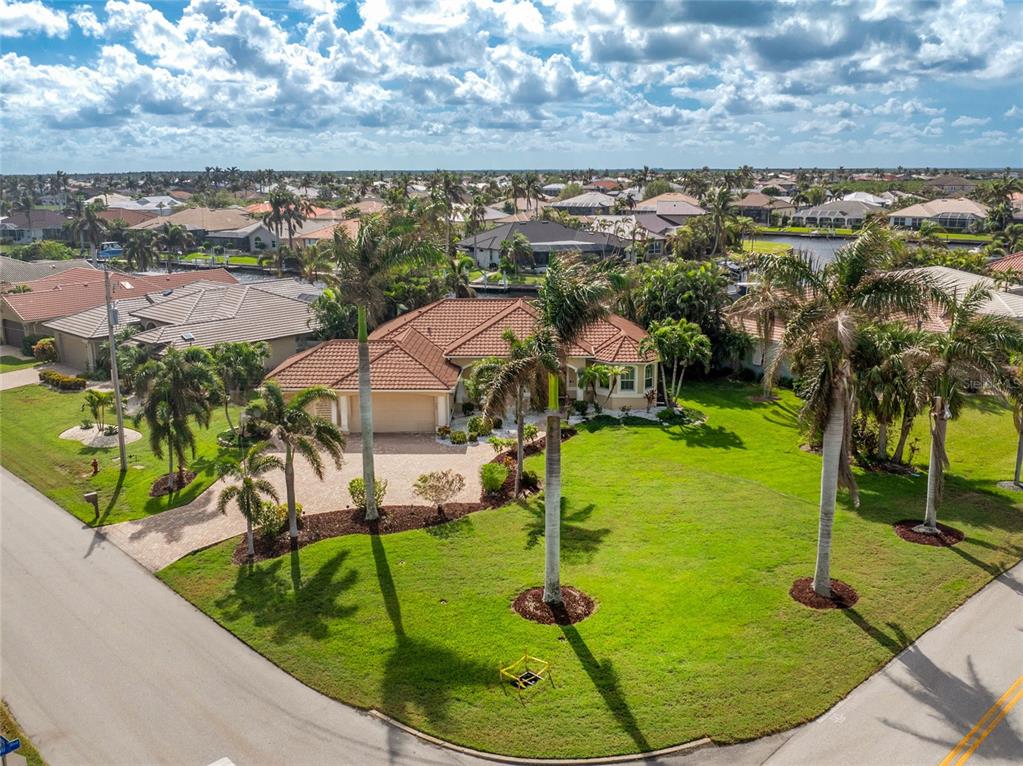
<point>965,121</point>
<point>32,17</point>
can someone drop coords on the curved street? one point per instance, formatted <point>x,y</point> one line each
<point>102,664</point>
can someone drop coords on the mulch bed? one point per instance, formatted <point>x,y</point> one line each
<point>160,486</point>
<point>843,596</point>
<point>350,521</point>
<point>576,607</point>
<point>946,537</point>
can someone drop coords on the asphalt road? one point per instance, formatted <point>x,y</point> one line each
<point>103,664</point>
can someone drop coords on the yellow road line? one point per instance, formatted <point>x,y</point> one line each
<point>1000,708</point>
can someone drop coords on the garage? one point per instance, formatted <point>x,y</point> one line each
<point>397,412</point>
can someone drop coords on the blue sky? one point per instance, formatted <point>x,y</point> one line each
<point>387,84</point>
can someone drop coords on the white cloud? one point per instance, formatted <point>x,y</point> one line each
<point>1014,111</point>
<point>32,17</point>
<point>965,121</point>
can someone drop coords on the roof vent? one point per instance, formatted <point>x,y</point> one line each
<point>187,336</point>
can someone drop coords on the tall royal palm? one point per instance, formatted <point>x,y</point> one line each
<point>721,210</point>
<point>976,351</point>
<point>571,296</point>
<point>451,191</point>
<point>829,307</point>
<point>301,432</point>
<point>251,488</point>
<point>366,266</point>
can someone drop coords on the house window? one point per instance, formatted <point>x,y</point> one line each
<point>627,382</point>
<point>648,377</point>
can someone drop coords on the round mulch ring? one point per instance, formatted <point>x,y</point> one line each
<point>95,438</point>
<point>576,606</point>
<point>164,486</point>
<point>946,537</point>
<point>843,596</point>
<point>1011,486</point>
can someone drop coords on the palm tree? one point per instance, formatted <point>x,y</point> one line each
<point>828,307</point>
<point>86,225</point>
<point>180,386</point>
<point>314,262</point>
<point>366,266</point>
<point>884,385</point>
<point>476,214</point>
<point>26,204</point>
<point>721,209</point>
<point>140,250</point>
<point>458,270</point>
<point>174,238</point>
<point>681,344</point>
<point>96,402</point>
<point>572,296</point>
<point>248,494</point>
<point>768,303</point>
<point>504,380</point>
<point>532,189</point>
<point>518,250</point>
<point>291,423</point>
<point>928,234</point>
<point>975,352</point>
<point>240,366</point>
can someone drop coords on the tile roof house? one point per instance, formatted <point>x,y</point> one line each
<point>959,214</point>
<point>1010,263</point>
<point>587,203</point>
<point>546,237</point>
<point>78,289</point>
<point>197,314</point>
<point>12,270</point>
<point>761,207</point>
<point>952,184</point>
<point>128,215</point>
<point>650,205</point>
<point>418,360</point>
<point>19,227</point>
<point>230,227</point>
<point>836,214</point>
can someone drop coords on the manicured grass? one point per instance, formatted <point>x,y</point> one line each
<point>10,729</point>
<point>688,538</point>
<point>10,363</point>
<point>234,260</point>
<point>763,246</point>
<point>32,418</point>
<point>515,279</point>
<point>949,236</point>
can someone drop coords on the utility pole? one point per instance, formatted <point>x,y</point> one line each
<point>111,321</point>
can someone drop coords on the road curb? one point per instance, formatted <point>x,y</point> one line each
<point>684,749</point>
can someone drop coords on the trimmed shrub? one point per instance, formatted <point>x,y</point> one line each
<point>474,437</point>
<point>468,408</point>
<point>444,432</point>
<point>45,350</point>
<point>62,382</point>
<point>272,518</point>
<point>480,425</point>
<point>529,481</point>
<point>500,445</point>
<point>459,437</point>
<point>530,431</point>
<point>497,422</point>
<point>29,342</point>
<point>493,476</point>
<point>86,424</point>
<point>439,486</point>
<point>581,407</point>
<point>357,490</point>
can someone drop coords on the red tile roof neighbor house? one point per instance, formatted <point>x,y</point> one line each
<point>425,352</point>
<point>1013,262</point>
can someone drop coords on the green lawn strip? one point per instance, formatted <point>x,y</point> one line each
<point>689,539</point>
<point>764,246</point>
<point>823,231</point>
<point>31,420</point>
<point>10,729</point>
<point>9,363</point>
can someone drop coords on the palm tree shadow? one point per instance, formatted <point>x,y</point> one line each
<point>578,543</point>
<point>704,435</point>
<point>386,580</point>
<point>605,680</point>
<point>287,604</point>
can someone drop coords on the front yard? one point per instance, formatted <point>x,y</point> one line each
<point>10,363</point>
<point>688,538</point>
<point>32,417</point>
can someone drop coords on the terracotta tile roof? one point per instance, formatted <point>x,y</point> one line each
<point>393,367</point>
<point>1013,262</point>
<point>75,290</point>
<point>327,228</point>
<point>130,217</point>
<point>651,204</point>
<point>488,338</point>
<point>258,208</point>
<point>202,219</point>
<point>447,320</point>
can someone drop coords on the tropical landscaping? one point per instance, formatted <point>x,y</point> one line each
<point>689,554</point>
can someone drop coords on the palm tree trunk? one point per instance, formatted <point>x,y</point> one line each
<point>520,438</point>
<point>669,400</point>
<point>907,426</point>
<point>289,487</point>
<point>248,537</point>
<point>935,467</point>
<point>832,452</point>
<point>366,418</point>
<point>1019,460</point>
<point>552,497</point>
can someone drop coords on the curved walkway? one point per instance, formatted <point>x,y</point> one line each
<point>159,540</point>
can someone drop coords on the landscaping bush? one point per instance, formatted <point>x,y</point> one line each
<point>530,431</point>
<point>581,407</point>
<point>474,437</point>
<point>480,425</point>
<point>468,408</point>
<point>529,481</point>
<point>493,476</point>
<point>439,486</point>
<point>746,375</point>
<point>110,430</point>
<point>500,445</point>
<point>443,432</point>
<point>272,518</point>
<point>45,350</point>
<point>459,437</point>
<point>62,382</point>
<point>497,422</point>
<point>29,342</point>
<point>86,424</point>
<point>357,489</point>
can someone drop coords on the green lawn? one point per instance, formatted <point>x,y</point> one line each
<point>688,538</point>
<point>950,236</point>
<point>763,246</point>
<point>234,260</point>
<point>32,418</point>
<point>10,729</point>
<point>9,363</point>
<point>515,279</point>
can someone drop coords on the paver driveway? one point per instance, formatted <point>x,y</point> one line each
<point>158,540</point>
